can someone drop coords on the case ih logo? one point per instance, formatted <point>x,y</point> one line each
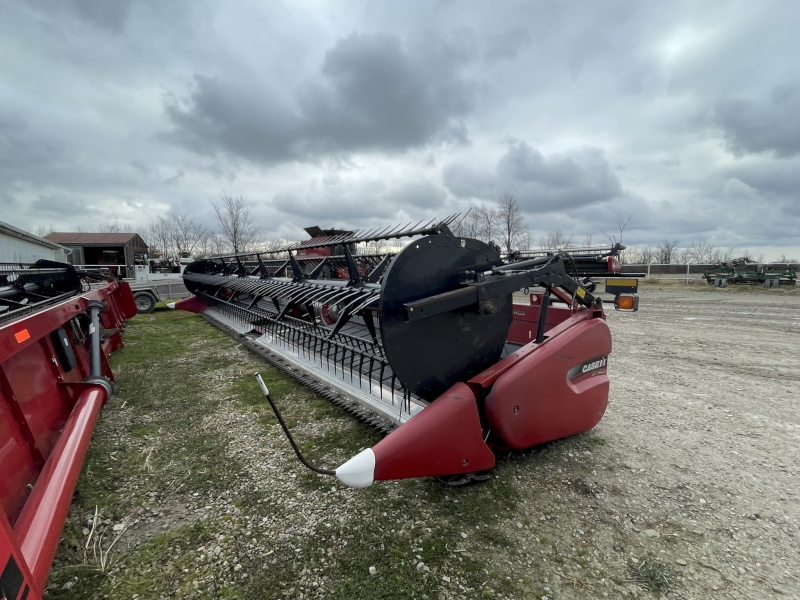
<point>590,366</point>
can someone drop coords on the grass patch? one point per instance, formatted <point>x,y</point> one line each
<point>652,575</point>
<point>154,448</point>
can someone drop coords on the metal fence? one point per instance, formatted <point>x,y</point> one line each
<point>686,273</point>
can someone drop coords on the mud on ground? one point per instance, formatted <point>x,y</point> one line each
<point>687,488</point>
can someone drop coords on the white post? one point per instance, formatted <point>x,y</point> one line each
<point>687,273</point>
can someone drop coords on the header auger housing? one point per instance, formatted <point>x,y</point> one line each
<point>424,343</point>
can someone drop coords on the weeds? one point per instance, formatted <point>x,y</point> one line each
<point>652,575</point>
<point>94,540</point>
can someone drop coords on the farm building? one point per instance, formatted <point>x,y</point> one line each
<point>18,246</point>
<point>117,251</point>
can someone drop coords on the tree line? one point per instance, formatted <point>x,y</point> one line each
<point>696,253</point>
<point>176,234</point>
<point>502,224</point>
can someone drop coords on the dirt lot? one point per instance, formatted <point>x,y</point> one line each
<point>688,487</point>
<point>705,431</point>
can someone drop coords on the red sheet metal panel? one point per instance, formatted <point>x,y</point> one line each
<point>15,577</point>
<point>46,420</point>
<point>444,439</point>
<point>556,391</point>
<point>17,464</point>
<point>526,319</point>
<point>41,521</point>
<point>30,373</point>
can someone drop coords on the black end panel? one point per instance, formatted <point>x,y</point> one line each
<point>432,354</point>
<point>64,351</point>
<point>11,580</point>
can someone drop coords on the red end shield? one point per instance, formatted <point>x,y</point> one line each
<point>191,304</point>
<point>444,439</point>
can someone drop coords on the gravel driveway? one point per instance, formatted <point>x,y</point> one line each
<point>702,454</point>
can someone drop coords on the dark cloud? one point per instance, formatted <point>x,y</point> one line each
<point>371,94</point>
<point>59,205</point>
<point>110,16</point>
<point>419,194</point>
<point>542,183</point>
<point>506,45</point>
<point>24,153</point>
<point>767,126</point>
<point>175,179</point>
<point>362,123</point>
<point>357,201</point>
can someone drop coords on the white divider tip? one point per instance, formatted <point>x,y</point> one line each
<point>359,471</point>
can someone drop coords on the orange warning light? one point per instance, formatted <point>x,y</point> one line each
<point>628,302</point>
<point>22,336</point>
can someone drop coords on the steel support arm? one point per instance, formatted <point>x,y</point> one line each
<point>501,282</point>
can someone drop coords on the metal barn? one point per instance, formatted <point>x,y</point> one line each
<point>115,251</point>
<point>18,246</point>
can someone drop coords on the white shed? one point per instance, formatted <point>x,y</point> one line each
<point>18,246</point>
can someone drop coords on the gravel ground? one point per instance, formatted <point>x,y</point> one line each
<point>687,488</point>
<point>703,427</point>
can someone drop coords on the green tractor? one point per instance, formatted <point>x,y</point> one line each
<point>744,271</point>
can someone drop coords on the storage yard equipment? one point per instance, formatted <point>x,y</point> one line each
<point>594,261</point>
<point>56,329</point>
<point>590,263</point>
<point>425,343</point>
<point>743,271</point>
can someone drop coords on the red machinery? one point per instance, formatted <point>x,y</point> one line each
<point>55,334</point>
<point>428,345</point>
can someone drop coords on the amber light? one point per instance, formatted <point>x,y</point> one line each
<point>626,303</point>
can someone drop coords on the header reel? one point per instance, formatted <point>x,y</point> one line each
<point>394,333</point>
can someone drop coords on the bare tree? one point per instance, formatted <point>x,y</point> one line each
<point>177,235</point>
<point>526,240</point>
<point>621,225</point>
<point>157,235</point>
<point>41,230</point>
<point>276,243</point>
<point>555,239</point>
<point>648,254</point>
<point>700,252</point>
<point>115,226</point>
<point>728,254</point>
<point>469,226</point>
<point>482,222</point>
<point>665,252</point>
<point>236,223</point>
<point>587,240</point>
<point>784,258</point>
<point>187,234</point>
<point>487,223</point>
<point>511,222</point>
<point>211,244</point>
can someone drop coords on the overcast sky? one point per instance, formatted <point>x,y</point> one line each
<point>686,114</point>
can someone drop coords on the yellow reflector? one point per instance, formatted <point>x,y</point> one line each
<point>621,282</point>
<point>626,303</point>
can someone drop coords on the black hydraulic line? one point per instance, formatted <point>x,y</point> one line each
<point>314,468</point>
<point>543,317</point>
